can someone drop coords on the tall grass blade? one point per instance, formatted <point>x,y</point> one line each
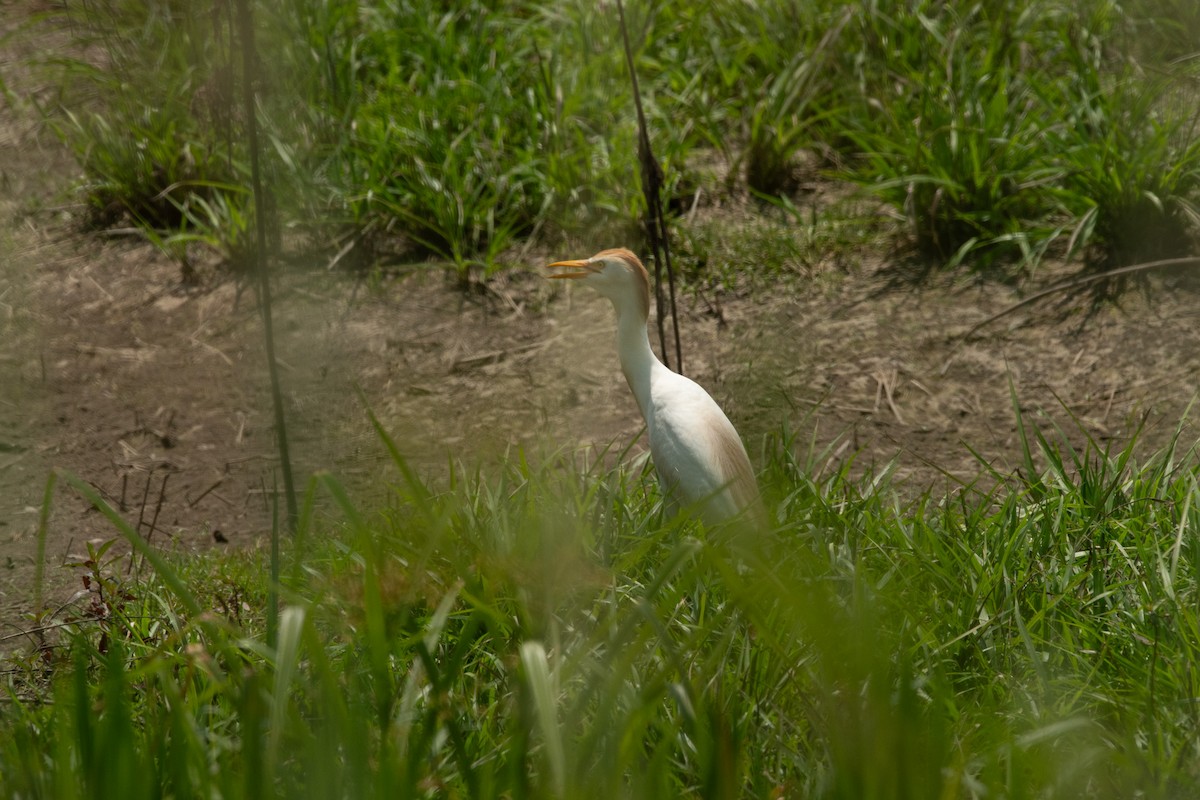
<point>273,588</point>
<point>287,664</point>
<point>39,567</point>
<point>411,479</point>
<point>1032,476</point>
<point>1180,531</point>
<point>250,62</point>
<point>539,679</point>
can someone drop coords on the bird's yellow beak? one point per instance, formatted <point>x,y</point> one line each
<point>573,270</point>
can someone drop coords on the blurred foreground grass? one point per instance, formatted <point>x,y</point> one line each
<point>541,631</point>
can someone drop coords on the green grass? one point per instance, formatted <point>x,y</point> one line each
<point>957,142</point>
<point>539,629</point>
<point>542,631</point>
<point>763,248</point>
<point>1132,167</point>
<point>1000,133</point>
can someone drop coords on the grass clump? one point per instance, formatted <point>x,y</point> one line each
<point>443,139</point>
<point>753,83</point>
<point>956,137</point>
<point>1132,170</point>
<point>545,632</point>
<point>146,100</point>
<point>146,171</point>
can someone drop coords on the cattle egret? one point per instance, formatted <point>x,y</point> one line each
<point>698,455</point>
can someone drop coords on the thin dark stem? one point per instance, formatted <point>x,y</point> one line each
<point>260,217</point>
<point>1075,283</point>
<point>656,223</point>
<point>162,495</point>
<point>273,589</point>
<point>665,241</point>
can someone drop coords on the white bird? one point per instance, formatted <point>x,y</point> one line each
<point>698,455</point>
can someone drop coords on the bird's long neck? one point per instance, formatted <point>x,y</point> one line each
<point>637,359</point>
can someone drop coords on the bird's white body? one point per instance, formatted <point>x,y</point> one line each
<point>698,455</point>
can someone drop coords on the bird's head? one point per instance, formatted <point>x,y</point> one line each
<point>617,274</point>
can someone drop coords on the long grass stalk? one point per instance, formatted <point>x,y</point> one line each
<point>249,108</point>
<point>39,567</point>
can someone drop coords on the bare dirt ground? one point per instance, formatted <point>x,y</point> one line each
<point>157,396</point>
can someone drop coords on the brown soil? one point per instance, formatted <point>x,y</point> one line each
<point>157,397</point>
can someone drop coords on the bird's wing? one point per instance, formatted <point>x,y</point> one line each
<point>697,452</point>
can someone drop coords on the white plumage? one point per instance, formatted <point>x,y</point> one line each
<point>698,455</point>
